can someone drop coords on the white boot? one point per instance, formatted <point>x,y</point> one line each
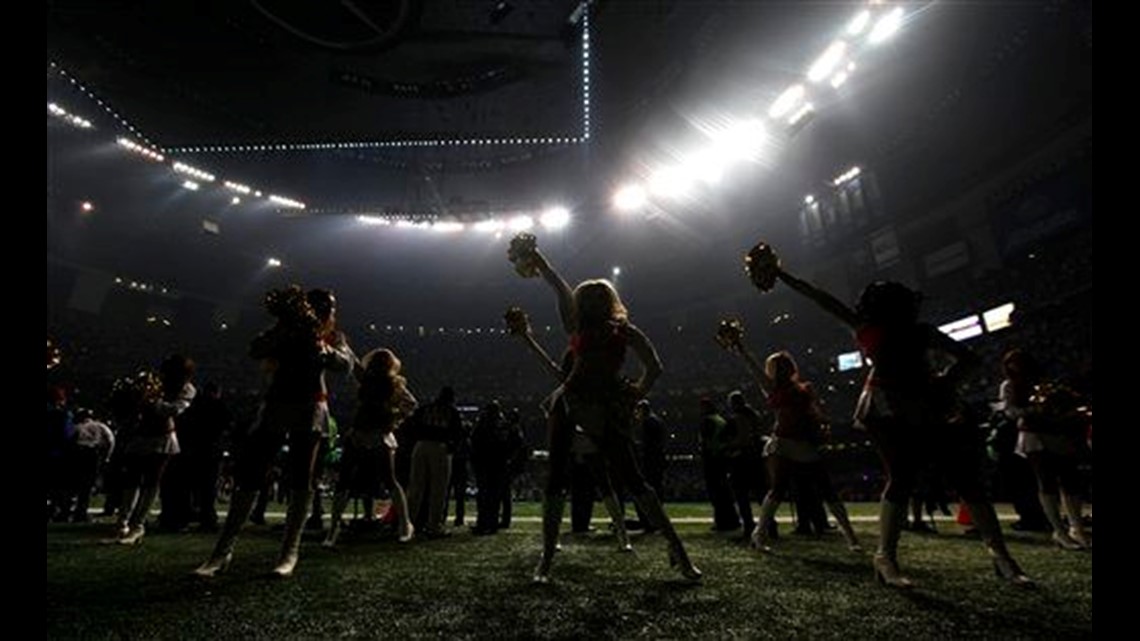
<point>294,524</point>
<point>340,501</point>
<point>1076,523</point>
<point>551,522</point>
<point>885,561</point>
<point>240,507</point>
<point>760,540</point>
<point>839,511</point>
<point>1050,505</point>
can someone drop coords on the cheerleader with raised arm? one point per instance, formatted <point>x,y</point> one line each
<point>793,449</point>
<point>569,436</point>
<point>910,409</point>
<point>597,398</point>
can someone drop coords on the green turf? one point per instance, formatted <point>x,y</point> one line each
<point>468,587</point>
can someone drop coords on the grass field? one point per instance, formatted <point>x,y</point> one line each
<point>479,587</point>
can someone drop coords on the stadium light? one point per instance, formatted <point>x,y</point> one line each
<point>630,198</point>
<point>555,218</point>
<point>786,101</point>
<point>886,26</point>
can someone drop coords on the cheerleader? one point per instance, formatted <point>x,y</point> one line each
<point>369,461</point>
<point>596,397</point>
<point>297,351</point>
<point>910,410</point>
<point>793,449</point>
<point>151,441</point>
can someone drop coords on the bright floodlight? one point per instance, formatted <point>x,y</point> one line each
<point>555,218</point>
<point>801,113</point>
<point>139,149</point>
<point>827,61</point>
<point>447,226</point>
<point>670,182</point>
<point>235,201</point>
<point>963,329</point>
<point>183,168</point>
<point>850,174</point>
<point>616,271</point>
<point>886,26</point>
<point>286,202</point>
<point>273,262</point>
<point>521,223</point>
<point>191,185</point>
<point>630,198</point>
<point>809,199</point>
<point>791,96</point>
<point>999,317</point>
<point>859,23</point>
<point>86,206</point>
<point>708,166</point>
<point>489,225</point>
<point>373,220</point>
<point>741,141</point>
<point>838,79</point>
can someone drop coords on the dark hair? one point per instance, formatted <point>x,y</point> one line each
<point>888,303</point>
<point>175,371</point>
<point>1016,357</point>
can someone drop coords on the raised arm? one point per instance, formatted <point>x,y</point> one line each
<point>829,303</point>
<point>543,356</point>
<point>650,362</point>
<point>561,290</point>
<point>756,369</point>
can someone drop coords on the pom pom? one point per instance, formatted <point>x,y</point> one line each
<point>523,253</point>
<point>517,322</point>
<point>763,266</point>
<point>730,334</point>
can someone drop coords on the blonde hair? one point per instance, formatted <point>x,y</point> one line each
<point>383,360</point>
<point>381,378</point>
<point>596,302</point>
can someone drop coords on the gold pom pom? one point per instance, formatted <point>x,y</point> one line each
<point>730,334</point>
<point>763,266</point>
<point>518,324</point>
<point>291,308</point>
<point>522,253</point>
